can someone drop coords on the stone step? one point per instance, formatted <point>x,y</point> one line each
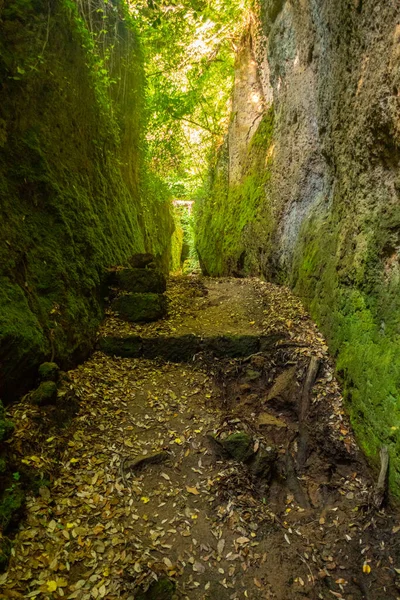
<point>183,348</point>
<point>140,308</point>
<point>140,281</point>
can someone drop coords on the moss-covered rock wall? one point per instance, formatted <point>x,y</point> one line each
<point>74,194</point>
<point>329,219</point>
<point>234,213</point>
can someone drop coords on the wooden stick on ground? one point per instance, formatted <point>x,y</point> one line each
<point>311,376</point>
<point>304,409</point>
<point>381,486</point>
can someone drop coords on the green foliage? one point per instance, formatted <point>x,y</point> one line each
<point>189,57</point>
<point>176,245</point>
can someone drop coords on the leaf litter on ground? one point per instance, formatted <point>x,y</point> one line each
<point>105,529</point>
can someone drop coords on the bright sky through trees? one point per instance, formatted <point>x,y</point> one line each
<point>189,49</point>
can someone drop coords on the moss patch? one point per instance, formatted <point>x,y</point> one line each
<point>361,323</point>
<point>75,196</point>
<point>140,307</point>
<point>228,215</point>
<point>49,371</point>
<point>45,394</point>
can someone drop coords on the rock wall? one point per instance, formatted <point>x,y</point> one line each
<point>327,218</point>
<point>74,194</point>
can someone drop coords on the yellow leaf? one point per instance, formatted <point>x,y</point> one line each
<point>145,499</point>
<point>98,529</point>
<point>366,568</point>
<point>35,459</point>
<point>192,490</point>
<point>74,460</point>
<point>50,439</point>
<point>51,586</point>
<point>178,441</point>
<point>70,525</point>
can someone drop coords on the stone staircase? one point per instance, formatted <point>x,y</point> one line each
<point>137,290</point>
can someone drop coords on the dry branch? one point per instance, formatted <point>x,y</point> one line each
<point>304,408</point>
<point>381,486</point>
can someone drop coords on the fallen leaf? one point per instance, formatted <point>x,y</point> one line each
<point>51,586</point>
<point>242,540</point>
<point>220,546</point>
<point>366,568</point>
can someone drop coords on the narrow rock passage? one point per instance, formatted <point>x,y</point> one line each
<point>211,473</point>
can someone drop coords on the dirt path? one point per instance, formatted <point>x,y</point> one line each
<point>291,518</point>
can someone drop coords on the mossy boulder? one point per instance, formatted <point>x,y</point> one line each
<point>141,260</point>
<point>163,589</point>
<point>263,462</point>
<point>49,371</point>
<point>127,347</point>
<point>140,281</point>
<point>45,394</point>
<point>140,307</point>
<point>239,446</point>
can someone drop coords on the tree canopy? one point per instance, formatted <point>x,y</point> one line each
<point>189,49</point>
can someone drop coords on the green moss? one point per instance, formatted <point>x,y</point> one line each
<point>227,217</point>
<point>49,371</point>
<point>361,323</point>
<point>141,280</point>
<point>163,589</point>
<point>75,196</point>
<point>129,347</point>
<point>239,445</point>
<point>45,394</point>
<point>140,307</point>
<point>176,245</point>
